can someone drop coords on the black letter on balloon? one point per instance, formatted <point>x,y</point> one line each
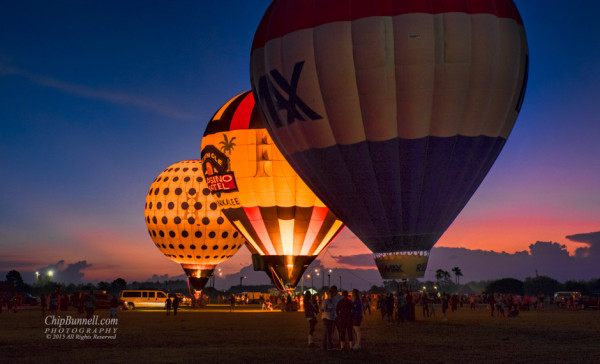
<point>293,105</point>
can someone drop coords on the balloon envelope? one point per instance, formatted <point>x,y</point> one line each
<point>285,224</point>
<point>185,223</point>
<point>392,111</point>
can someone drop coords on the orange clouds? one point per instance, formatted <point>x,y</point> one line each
<point>511,234</point>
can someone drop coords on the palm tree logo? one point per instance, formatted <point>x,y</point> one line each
<point>226,144</point>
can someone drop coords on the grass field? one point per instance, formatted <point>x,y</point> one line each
<point>215,335</point>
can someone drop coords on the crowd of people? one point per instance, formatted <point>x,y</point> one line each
<point>341,315</point>
<point>84,302</point>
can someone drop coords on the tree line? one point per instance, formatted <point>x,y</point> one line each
<point>444,283</point>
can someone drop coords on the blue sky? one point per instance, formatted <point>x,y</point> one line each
<point>96,98</point>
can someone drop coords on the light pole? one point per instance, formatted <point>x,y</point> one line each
<point>37,277</point>
<point>241,278</point>
<point>340,283</point>
<point>329,279</point>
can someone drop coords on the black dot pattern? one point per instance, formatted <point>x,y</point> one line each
<point>183,219</point>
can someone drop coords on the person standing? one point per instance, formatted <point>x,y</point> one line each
<point>168,305</point>
<point>402,307</point>
<point>90,304</point>
<point>357,318</point>
<point>327,315</point>
<point>81,305</point>
<point>492,303</point>
<point>425,303</point>
<point>310,313</point>
<point>345,312</point>
<point>232,302</point>
<point>54,301</point>
<point>175,305</point>
<point>335,298</point>
<point>444,306</point>
<point>114,307</point>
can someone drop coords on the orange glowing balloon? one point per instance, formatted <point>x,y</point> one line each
<point>185,223</point>
<point>284,223</point>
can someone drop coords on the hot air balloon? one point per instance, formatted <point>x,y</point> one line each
<point>391,111</point>
<point>285,225</point>
<point>185,223</point>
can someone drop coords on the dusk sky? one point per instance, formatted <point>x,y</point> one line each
<point>97,98</point>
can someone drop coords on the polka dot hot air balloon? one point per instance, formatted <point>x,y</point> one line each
<point>284,223</point>
<point>392,111</point>
<point>185,223</point>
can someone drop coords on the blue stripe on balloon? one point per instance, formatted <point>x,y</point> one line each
<point>400,194</point>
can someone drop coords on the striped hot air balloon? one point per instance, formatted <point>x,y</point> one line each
<point>185,223</point>
<point>392,111</point>
<point>284,223</point>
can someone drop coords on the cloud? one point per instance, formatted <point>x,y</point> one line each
<point>364,261</point>
<point>592,240</point>
<point>66,273</point>
<point>543,258</point>
<point>94,94</point>
<point>164,278</point>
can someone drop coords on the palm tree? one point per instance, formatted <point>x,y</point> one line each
<point>441,275</point>
<point>227,145</point>
<point>457,274</point>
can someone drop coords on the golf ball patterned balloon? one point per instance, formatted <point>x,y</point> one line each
<point>184,221</point>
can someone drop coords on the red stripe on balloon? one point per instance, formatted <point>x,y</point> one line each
<point>258,224</point>
<point>287,16</point>
<point>243,113</point>
<point>316,223</point>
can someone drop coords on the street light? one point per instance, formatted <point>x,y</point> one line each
<point>37,276</point>
<point>241,278</point>
<point>50,273</point>
<point>328,279</point>
<point>340,283</point>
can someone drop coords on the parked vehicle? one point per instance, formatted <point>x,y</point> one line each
<point>102,299</point>
<point>183,299</point>
<point>567,298</point>
<point>143,298</point>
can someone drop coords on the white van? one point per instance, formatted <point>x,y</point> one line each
<point>143,298</point>
<point>564,298</point>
